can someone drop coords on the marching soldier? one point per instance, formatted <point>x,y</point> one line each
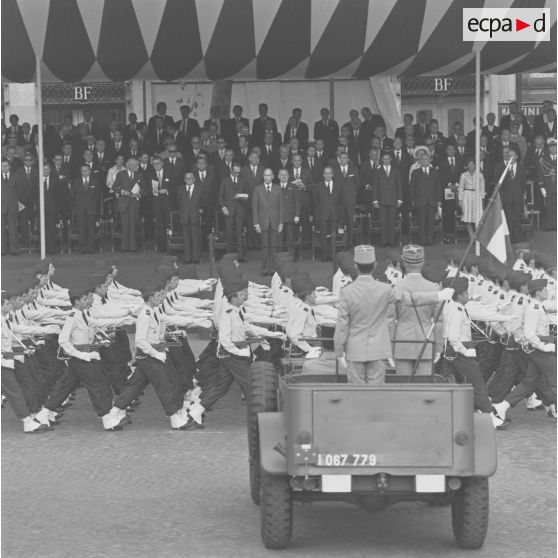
<point>302,320</point>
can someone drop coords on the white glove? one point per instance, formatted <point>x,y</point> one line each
<point>161,356</point>
<point>549,347</point>
<point>94,355</point>
<point>470,353</point>
<point>437,357</point>
<point>342,362</point>
<point>543,192</point>
<point>314,352</point>
<point>445,294</point>
<point>225,211</point>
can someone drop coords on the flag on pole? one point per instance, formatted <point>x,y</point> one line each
<point>494,235</point>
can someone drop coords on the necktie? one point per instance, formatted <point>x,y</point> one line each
<point>84,317</point>
<point>512,173</point>
<point>28,171</point>
<point>234,180</point>
<point>159,178</point>
<point>452,165</point>
<point>387,170</point>
<point>131,175</point>
<point>398,156</point>
<point>203,176</point>
<point>46,184</point>
<point>190,191</point>
<point>254,171</point>
<point>85,182</point>
<point>268,188</point>
<point>172,163</point>
<point>297,173</point>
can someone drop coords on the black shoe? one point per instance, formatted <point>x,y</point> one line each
<point>116,428</point>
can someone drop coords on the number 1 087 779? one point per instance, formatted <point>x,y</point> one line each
<point>346,460</point>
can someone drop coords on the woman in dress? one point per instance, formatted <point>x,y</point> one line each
<point>471,195</point>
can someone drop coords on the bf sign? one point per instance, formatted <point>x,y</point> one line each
<point>442,84</point>
<point>82,92</point>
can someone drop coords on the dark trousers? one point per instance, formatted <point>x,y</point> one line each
<point>448,217</point>
<point>327,230</point>
<point>161,211</point>
<point>50,232</point>
<point>111,367</point>
<point>133,388</point>
<point>270,240</point>
<point>13,392</point>
<point>467,370</point>
<point>234,231</point>
<point>513,218</point>
<point>388,216</point>
<point>512,368</point>
<point>287,237</point>
<point>128,221</point>
<point>86,226</point>
<point>46,368</point>
<point>232,368</point>
<point>541,373</point>
<point>426,224</point>
<point>349,218</point>
<point>550,211</point>
<point>25,217</point>
<point>9,232</point>
<point>305,224</point>
<point>489,356</point>
<point>164,382</point>
<point>98,387</point>
<point>24,375</point>
<point>191,237</point>
<point>66,384</point>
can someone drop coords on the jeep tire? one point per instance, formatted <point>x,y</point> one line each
<point>469,513</point>
<point>261,398</point>
<point>276,511</point>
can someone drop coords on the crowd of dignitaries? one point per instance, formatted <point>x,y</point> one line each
<point>276,184</point>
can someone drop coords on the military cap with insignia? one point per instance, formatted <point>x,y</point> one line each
<point>364,254</point>
<point>412,254</point>
<point>302,284</point>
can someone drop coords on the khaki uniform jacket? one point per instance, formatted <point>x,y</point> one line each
<point>411,325</point>
<point>362,329</point>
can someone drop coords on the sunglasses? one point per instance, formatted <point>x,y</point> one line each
<point>172,150</point>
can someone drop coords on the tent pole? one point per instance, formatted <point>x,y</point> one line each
<point>477,126</point>
<point>41,159</point>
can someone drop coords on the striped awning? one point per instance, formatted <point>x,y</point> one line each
<point>119,40</point>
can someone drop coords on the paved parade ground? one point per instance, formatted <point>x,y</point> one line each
<point>151,492</point>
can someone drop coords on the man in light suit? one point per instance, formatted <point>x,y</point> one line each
<point>128,185</point>
<point>190,207</point>
<point>267,213</point>
<point>412,322</point>
<point>362,337</point>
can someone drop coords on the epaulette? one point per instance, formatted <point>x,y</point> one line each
<point>481,282</point>
<point>512,298</point>
<point>502,296</point>
<point>536,306</point>
<point>147,312</point>
<point>490,288</point>
<point>72,314</point>
<point>229,310</point>
<point>460,309</point>
<point>520,300</point>
<point>305,308</point>
<point>472,279</point>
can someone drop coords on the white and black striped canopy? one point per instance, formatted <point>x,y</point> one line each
<point>118,40</point>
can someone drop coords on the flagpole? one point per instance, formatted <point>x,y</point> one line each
<point>472,243</point>
<point>40,153</point>
<point>478,126</point>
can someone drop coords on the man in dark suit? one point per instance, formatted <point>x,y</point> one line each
<point>235,124</point>
<point>207,180</point>
<point>190,207</point>
<point>156,137</point>
<point>513,192</point>
<point>546,180</point>
<point>268,216</point>
<point>367,176</point>
<point>407,121</point>
<point>85,195</point>
<point>291,210</point>
<point>192,154</point>
<point>534,154</point>
<point>215,118</point>
<point>90,125</point>
<point>259,124</point>
<point>297,129</point>
<point>9,199</point>
<point>326,130</point>
<point>217,158</point>
<point>436,137</point>
<point>491,131</point>
<point>49,140</point>
<point>425,196</point>
<point>515,115</point>
<point>162,115</point>
<point>370,122</point>
<point>70,160</point>
<point>233,200</point>
<point>253,172</point>
<point>346,176</point>
<point>51,189</point>
<point>281,159</point>
<point>328,209</point>
<point>242,150</point>
<point>128,185</point>
<point>162,187</point>
<point>15,128</point>
<point>421,127</point>
<point>471,137</point>
<point>131,129</point>
<point>505,141</point>
<point>116,146</point>
<point>549,128</point>
<point>189,127</point>
<point>450,168</point>
<point>269,150</point>
<point>175,168</point>
<point>387,197</point>
<point>303,174</point>
<point>27,190</point>
<point>542,118</point>
<point>224,167</point>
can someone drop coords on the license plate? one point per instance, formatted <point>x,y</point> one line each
<point>346,460</point>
